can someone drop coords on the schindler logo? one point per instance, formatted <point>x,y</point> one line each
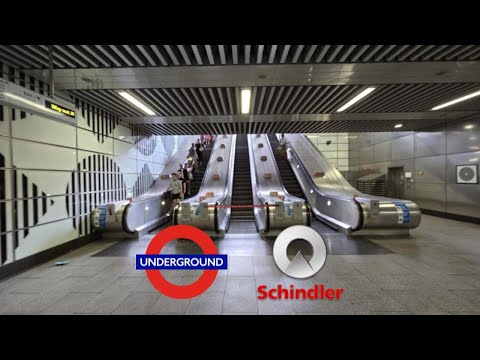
<point>299,267</point>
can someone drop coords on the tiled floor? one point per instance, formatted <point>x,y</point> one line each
<point>434,271</point>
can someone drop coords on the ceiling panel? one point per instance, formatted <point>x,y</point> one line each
<point>272,100</point>
<point>288,127</point>
<point>87,56</point>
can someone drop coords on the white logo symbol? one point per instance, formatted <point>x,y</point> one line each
<point>299,267</point>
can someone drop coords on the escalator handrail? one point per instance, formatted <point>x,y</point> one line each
<point>278,170</point>
<point>310,180</point>
<point>229,185</point>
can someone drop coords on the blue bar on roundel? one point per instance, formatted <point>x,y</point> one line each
<point>182,262</point>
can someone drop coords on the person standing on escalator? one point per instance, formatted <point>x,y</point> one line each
<point>184,178</point>
<point>283,147</point>
<point>199,151</point>
<point>177,189</point>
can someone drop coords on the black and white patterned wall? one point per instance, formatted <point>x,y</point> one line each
<point>53,174</point>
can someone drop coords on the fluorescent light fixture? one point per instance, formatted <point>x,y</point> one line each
<point>469,126</point>
<point>356,99</point>
<point>135,102</point>
<point>398,126</point>
<point>246,95</point>
<point>463,98</point>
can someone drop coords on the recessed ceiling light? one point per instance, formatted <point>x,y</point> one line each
<point>356,99</point>
<point>136,102</point>
<point>246,95</point>
<point>398,126</point>
<point>455,101</point>
<point>469,126</point>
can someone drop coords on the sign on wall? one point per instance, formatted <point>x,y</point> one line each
<point>15,95</point>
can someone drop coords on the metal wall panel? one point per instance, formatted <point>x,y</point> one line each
<point>430,169</point>
<point>380,137</point>
<point>424,155</point>
<point>366,155</point>
<point>431,196</point>
<point>430,143</point>
<point>402,148</point>
<point>463,199</point>
<point>463,137</point>
<point>399,134</point>
<point>382,151</point>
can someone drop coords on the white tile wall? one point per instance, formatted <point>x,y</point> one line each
<point>30,155</point>
<point>36,128</point>
<point>88,140</point>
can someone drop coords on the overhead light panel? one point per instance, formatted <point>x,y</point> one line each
<point>246,96</point>
<point>356,99</point>
<point>453,102</point>
<point>398,126</point>
<point>135,102</point>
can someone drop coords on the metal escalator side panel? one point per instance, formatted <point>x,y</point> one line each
<point>341,213</point>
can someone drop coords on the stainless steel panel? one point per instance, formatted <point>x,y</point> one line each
<point>249,75</point>
<point>463,136</point>
<point>470,158</point>
<point>430,169</point>
<point>402,148</point>
<point>365,139</point>
<point>382,151</point>
<point>463,199</point>
<point>423,119</point>
<point>431,196</point>
<point>399,134</point>
<point>366,155</point>
<point>430,143</point>
<point>380,137</point>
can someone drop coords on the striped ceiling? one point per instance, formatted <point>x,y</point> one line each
<point>96,56</point>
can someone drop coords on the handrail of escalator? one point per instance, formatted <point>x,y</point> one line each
<point>340,180</point>
<point>312,184</point>
<point>276,166</point>
<point>162,196</point>
<point>229,186</point>
<point>305,171</point>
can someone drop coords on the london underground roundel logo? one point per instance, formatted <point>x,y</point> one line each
<point>299,267</point>
<point>210,261</point>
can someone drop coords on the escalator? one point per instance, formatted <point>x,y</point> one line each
<point>200,171</point>
<point>209,207</point>
<point>338,204</point>
<point>289,179</point>
<point>242,183</point>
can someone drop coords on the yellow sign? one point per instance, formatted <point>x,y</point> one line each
<point>61,109</point>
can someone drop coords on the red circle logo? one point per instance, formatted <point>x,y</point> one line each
<point>184,232</point>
